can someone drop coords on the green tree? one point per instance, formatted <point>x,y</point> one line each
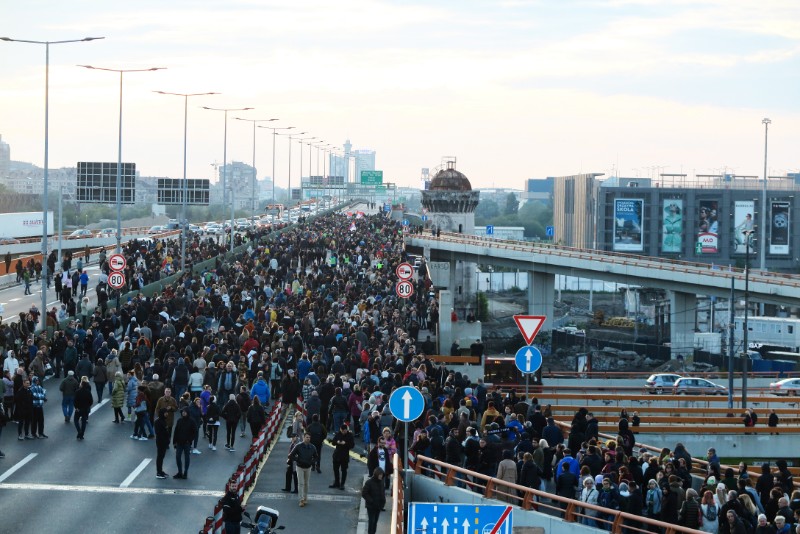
<point>486,211</point>
<point>512,204</point>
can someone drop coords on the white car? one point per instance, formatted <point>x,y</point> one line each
<point>661,382</point>
<point>788,386</point>
<point>213,229</point>
<point>154,230</point>
<point>107,232</point>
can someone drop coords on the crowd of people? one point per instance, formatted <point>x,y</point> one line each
<point>309,311</point>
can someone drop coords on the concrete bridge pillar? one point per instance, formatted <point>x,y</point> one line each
<point>541,292</point>
<point>681,318</point>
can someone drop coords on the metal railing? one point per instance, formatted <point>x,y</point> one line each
<point>398,523</point>
<point>570,510</point>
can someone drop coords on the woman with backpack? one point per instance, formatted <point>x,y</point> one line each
<point>710,512</point>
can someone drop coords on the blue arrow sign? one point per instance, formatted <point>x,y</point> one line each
<point>387,207</point>
<point>550,231</point>
<point>406,403</point>
<point>489,229</point>
<point>424,218</point>
<point>424,518</point>
<point>405,222</point>
<point>528,359</point>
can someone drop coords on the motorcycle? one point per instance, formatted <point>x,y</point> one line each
<point>265,521</point>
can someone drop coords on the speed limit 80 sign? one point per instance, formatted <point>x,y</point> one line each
<point>404,289</point>
<point>116,280</point>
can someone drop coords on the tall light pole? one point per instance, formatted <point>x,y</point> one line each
<point>254,121</point>
<point>301,162</point>
<point>184,221</point>
<point>274,135</point>
<point>45,274</point>
<point>290,165</point>
<point>762,246</point>
<point>225,160</point>
<point>119,144</point>
<point>745,344</point>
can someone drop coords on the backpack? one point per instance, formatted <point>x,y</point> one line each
<point>181,375</point>
<point>711,512</point>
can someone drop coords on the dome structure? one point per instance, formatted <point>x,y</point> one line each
<point>450,180</point>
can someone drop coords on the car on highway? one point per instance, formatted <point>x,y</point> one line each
<point>689,385</point>
<point>194,229</point>
<point>107,232</point>
<point>157,229</point>
<point>787,386</point>
<point>80,234</point>
<point>213,228</point>
<point>8,241</point>
<point>660,382</point>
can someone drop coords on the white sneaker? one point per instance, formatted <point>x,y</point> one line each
<point>143,438</point>
<point>195,451</point>
<point>213,447</point>
<point>134,437</point>
<point>210,446</point>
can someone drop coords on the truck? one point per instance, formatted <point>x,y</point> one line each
<point>24,224</point>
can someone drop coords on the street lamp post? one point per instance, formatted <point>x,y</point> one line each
<point>274,135</point>
<point>119,144</point>
<point>225,161</point>
<point>301,161</point>
<point>184,221</point>
<point>290,166</point>
<point>45,274</point>
<point>255,176</point>
<point>745,344</point>
<point>762,246</point>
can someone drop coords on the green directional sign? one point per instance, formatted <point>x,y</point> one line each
<point>380,189</point>
<point>371,177</point>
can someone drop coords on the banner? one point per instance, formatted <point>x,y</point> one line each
<point>672,226</point>
<point>628,224</point>
<point>743,222</point>
<point>707,227</point>
<point>779,228</point>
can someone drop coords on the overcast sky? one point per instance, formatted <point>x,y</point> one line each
<point>513,89</point>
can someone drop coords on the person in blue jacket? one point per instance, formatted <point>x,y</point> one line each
<point>260,389</point>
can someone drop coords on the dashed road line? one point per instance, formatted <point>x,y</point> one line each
<point>16,467</point>
<point>135,473</point>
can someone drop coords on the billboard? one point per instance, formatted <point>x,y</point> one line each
<point>97,182</point>
<point>628,224</point>
<point>742,222</point>
<point>779,227</point>
<point>371,177</point>
<point>707,227</point>
<point>672,226</point>
<point>170,191</point>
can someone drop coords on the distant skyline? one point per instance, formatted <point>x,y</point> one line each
<point>515,89</point>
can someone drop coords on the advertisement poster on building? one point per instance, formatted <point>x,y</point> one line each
<point>742,223</point>
<point>628,224</point>
<point>707,227</point>
<point>779,228</point>
<point>672,226</point>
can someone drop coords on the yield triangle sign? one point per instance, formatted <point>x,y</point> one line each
<point>529,325</point>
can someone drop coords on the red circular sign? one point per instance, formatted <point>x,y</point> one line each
<point>116,280</point>
<point>404,271</point>
<point>117,262</point>
<point>404,289</point>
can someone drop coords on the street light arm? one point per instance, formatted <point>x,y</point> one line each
<point>184,94</point>
<point>9,39</point>
<point>121,70</point>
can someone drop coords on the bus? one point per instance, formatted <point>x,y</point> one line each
<point>276,210</point>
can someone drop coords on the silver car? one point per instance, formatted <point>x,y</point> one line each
<point>661,382</point>
<point>697,386</point>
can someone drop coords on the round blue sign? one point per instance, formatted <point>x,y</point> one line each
<point>528,359</point>
<point>406,403</point>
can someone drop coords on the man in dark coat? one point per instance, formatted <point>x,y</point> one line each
<point>566,484</point>
<point>343,443</point>
<point>374,499</point>
<point>185,431</point>
<point>83,403</point>
<point>162,442</point>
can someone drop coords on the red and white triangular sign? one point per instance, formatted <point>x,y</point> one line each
<point>529,325</point>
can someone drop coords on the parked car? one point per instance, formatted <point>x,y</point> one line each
<point>787,386</point>
<point>156,230</point>
<point>194,229</point>
<point>213,228</point>
<point>697,386</point>
<point>661,382</point>
<point>80,234</point>
<point>107,232</point>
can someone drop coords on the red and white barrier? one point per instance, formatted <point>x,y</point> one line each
<point>244,476</point>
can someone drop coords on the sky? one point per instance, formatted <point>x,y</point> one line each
<point>513,89</point>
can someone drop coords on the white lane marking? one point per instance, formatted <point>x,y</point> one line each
<point>20,298</point>
<point>113,489</point>
<point>135,473</point>
<point>16,467</point>
<point>97,406</point>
